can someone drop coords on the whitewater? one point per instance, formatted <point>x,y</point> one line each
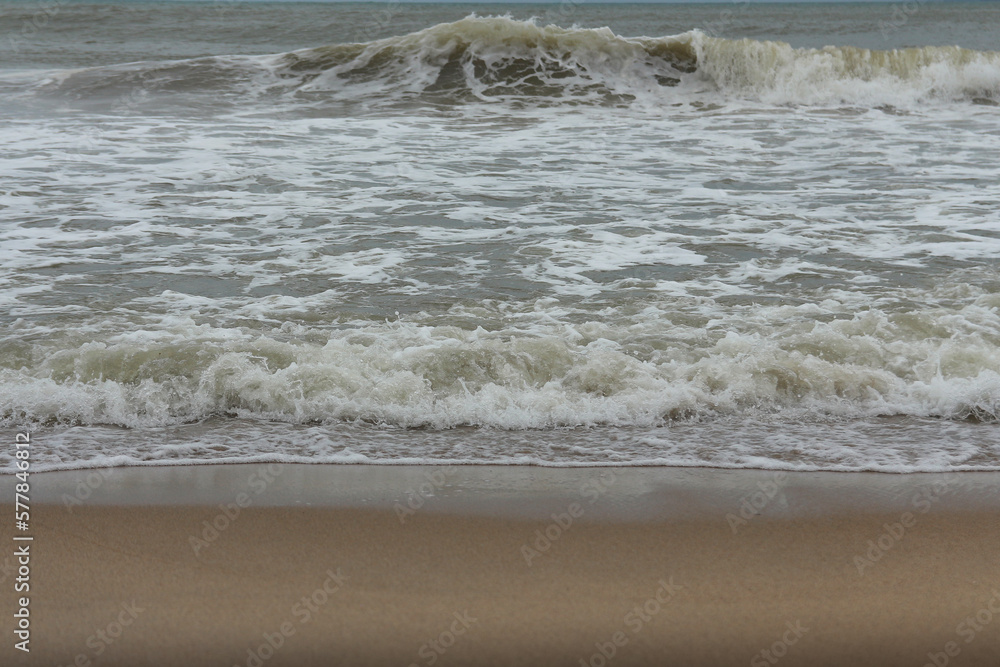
<point>493,239</point>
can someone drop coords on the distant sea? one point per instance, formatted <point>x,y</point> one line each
<point>737,234</point>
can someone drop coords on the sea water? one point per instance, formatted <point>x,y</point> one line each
<point>733,234</point>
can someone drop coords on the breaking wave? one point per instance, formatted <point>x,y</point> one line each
<point>501,59</point>
<point>415,375</point>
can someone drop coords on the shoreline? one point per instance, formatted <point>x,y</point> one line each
<point>613,493</point>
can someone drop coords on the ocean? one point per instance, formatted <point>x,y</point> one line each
<point>732,235</point>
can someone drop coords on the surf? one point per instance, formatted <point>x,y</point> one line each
<point>502,60</point>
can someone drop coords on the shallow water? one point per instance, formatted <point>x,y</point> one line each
<point>487,239</point>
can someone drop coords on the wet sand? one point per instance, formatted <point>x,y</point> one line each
<point>906,577</point>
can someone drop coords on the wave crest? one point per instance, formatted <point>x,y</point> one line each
<point>501,59</point>
<point>412,375</point>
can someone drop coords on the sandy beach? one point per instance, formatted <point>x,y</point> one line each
<point>251,579</point>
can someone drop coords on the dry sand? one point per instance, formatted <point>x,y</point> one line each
<point>131,585</point>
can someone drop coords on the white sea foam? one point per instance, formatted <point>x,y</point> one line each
<point>882,445</point>
<point>806,362</point>
<point>516,228</point>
